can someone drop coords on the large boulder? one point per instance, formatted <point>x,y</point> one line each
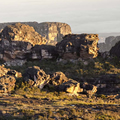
<point>58,78</point>
<point>74,46</point>
<point>36,77</point>
<point>22,32</point>
<point>7,83</point>
<point>71,86</point>
<point>6,71</point>
<point>11,50</point>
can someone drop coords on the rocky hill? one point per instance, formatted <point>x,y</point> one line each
<point>109,43</point>
<point>53,31</point>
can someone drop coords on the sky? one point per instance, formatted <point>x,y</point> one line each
<point>84,16</point>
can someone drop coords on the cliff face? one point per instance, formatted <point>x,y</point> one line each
<point>53,31</point>
<point>109,43</point>
<point>116,50</point>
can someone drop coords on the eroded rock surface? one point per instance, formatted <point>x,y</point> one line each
<point>54,31</point>
<point>58,78</point>
<point>22,32</point>
<point>6,71</point>
<point>71,86</point>
<point>78,46</point>
<point>36,77</point>
<point>7,83</point>
<point>43,52</point>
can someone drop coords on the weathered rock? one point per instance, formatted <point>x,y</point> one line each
<point>71,86</point>
<point>89,89</point>
<point>54,31</point>
<point>4,71</point>
<point>22,32</point>
<point>11,50</point>
<point>7,83</point>
<point>82,45</point>
<point>58,78</point>
<point>43,52</point>
<point>34,76</point>
<point>115,51</point>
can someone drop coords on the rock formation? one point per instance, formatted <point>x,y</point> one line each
<point>53,31</point>
<point>115,51</point>
<point>71,86</point>
<point>82,45</point>
<point>109,43</point>
<point>36,77</point>
<point>8,79</point>
<point>6,71</point>
<point>58,78</point>
<point>43,52</point>
<point>7,83</point>
<point>22,32</point>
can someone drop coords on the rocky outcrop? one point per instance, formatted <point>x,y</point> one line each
<point>43,52</point>
<point>8,79</point>
<point>89,89</point>
<point>6,71</point>
<point>17,41</point>
<point>58,78</point>
<point>52,31</point>
<point>115,51</point>
<point>74,46</point>
<point>22,32</point>
<point>36,77</point>
<point>71,86</point>
<point>109,43</point>
<point>7,83</point>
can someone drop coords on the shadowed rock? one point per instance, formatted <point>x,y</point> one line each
<point>71,86</point>
<point>43,52</point>
<point>58,78</point>
<point>81,45</point>
<point>89,89</point>
<point>36,77</point>
<point>115,51</point>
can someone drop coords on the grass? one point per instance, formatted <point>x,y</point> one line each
<point>33,103</point>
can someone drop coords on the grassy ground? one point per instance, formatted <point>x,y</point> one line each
<point>31,103</point>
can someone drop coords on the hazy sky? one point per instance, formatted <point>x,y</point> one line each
<point>84,16</point>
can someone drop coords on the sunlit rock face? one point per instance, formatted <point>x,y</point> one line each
<point>54,31</point>
<point>74,46</point>
<point>22,32</point>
